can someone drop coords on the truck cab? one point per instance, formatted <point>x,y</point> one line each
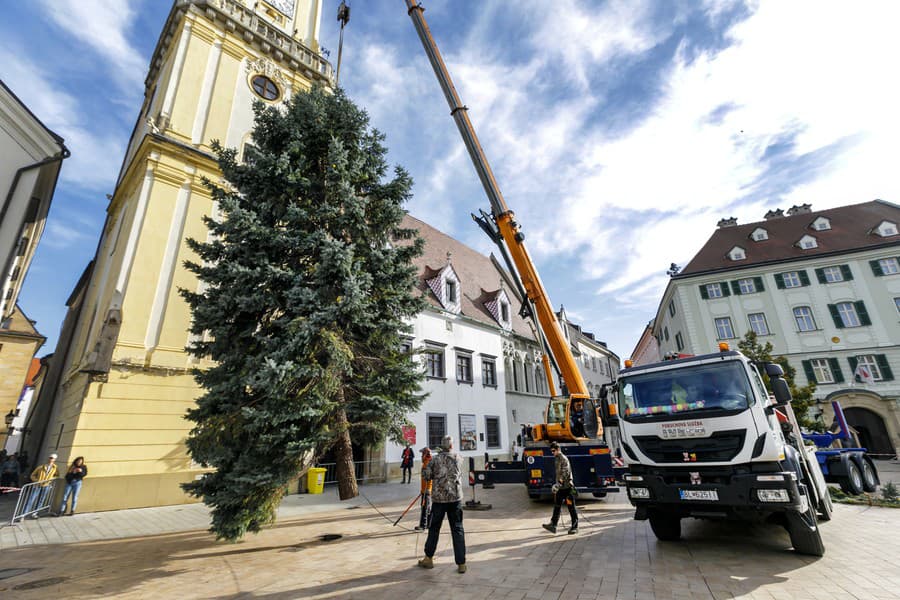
<point>702,438</point>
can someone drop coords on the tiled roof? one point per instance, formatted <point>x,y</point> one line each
<point>851,229</point>
<point>479,277</point>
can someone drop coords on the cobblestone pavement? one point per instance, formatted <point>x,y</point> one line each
<point>509,556</point>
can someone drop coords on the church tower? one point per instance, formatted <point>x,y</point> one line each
<point>120,382</point>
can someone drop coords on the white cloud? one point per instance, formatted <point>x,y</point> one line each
<point>103,26</point>
<point>90,165</point>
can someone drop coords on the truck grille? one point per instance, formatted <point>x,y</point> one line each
<point>721,446</point>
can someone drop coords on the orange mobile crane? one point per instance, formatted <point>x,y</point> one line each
<point>573,418</point>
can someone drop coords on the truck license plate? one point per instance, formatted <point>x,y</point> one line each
<point>710,495</point>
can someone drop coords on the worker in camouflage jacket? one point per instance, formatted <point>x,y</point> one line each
<point>563,490</point>
<point>445,474</point>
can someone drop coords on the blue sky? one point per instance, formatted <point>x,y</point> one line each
<point>620,132</point>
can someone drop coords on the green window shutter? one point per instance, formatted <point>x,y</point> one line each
<point>876,268</point>
<point>835,316</point>
<point>804,278</point>
<point>736,288</point>
<point>703,293</point>
<point>886,373</point>
<point>779,280</point>
<point>758,282</point>
<point>846,272</point>
<point>820,274</point>
<point>725,290</point>
<point>836,370</point>
<point>853,362</point>
<point>807,368</point>
<point>862,313</point>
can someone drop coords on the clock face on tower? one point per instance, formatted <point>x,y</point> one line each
<point>285,7</point>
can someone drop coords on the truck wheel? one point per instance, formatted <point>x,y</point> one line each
<point>826,507</point>
<point>666,526</point>
<point>804,531</point>
<point>869,478</point>
<point>853,482</point>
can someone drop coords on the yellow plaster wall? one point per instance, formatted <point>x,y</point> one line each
<point>131,427</point>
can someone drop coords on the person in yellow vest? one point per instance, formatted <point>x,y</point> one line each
<point>43,475</point>
<point>425,503</point>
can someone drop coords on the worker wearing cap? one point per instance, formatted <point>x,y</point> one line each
<point>445,472</point>
<point>43,475</point>
<point>563,490</point>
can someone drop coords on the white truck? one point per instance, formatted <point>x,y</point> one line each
<point>703,438</point>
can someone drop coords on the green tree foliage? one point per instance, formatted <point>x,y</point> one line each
<point>802,397</point>
<point>307,288</point>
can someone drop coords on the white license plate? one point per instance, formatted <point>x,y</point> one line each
<point>710,495</point>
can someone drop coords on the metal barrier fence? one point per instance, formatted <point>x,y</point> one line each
<point>366,471</point>
<point>36,497</point>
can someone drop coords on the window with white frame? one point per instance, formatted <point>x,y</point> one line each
<point>724,330</point>
<point>886,229</point>
<point>672,308</point>
<point>791,279</point>
<point>488,372</point>
<point>869,360</point>
<point>832,274</point>
<point>714,290</point>
<point>759,234</point>
<point>822,370</point>
<point>539,380</point>
<point>808,242</point>
<point>821,224</point>
<point>434,361</point>
<point>804,318</point>
<point>679,341</point>
<point>504,312</point>
<point>897,303</point>
<point>847,313</point>
<point>463,367</point>
<point>737,253</point>
<point>747,286</point>
<point>758,323</point>
<point>889,266</point>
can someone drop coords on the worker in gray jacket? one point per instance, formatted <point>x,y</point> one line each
<point>563,490</point>
<point>445,473</point>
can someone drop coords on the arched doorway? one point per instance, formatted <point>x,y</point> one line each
<point>872,432</point>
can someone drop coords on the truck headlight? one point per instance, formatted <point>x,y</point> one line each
<point>639,492</point>
<point>773,495</point>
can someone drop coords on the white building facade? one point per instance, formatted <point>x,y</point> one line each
<point>822,286</point>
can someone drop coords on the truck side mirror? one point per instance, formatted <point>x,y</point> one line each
<point>608,414</point>
<point>603,392</point>
<point>781,390</point>
<point>774,370</point>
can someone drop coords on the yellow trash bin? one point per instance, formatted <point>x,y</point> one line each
<point>315,480</point>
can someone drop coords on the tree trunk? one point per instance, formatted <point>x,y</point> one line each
<point>343,457</point>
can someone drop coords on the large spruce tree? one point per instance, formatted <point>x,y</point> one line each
<point>308,288</point>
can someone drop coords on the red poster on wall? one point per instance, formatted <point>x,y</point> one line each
<point>409,434</point>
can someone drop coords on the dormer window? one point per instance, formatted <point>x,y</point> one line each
<point>497,304</point>
<point>504,312</point>
<point>737,253</point>
<point>808,242</point>
<point>450,292</point>
<point>821,224</point>
<point>759,234</point>
<point>886,229</point>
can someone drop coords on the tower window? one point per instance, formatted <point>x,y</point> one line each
<point>264,87</point>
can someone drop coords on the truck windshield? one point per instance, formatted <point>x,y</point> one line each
<point>720,385</point>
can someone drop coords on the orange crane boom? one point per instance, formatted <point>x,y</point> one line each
<point>507,234</point>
